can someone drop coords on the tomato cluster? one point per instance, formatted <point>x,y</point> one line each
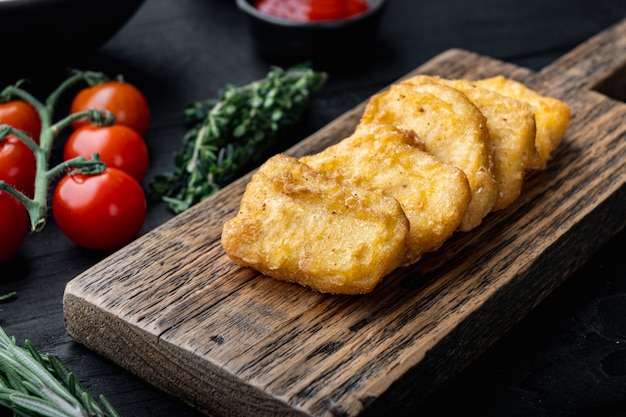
<point>103,211</point>
<point>18,168</point>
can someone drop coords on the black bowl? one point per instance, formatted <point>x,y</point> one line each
<point>285,41</point>
<point>51,32</point>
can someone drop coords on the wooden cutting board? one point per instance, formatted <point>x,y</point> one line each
<point>173,309</point>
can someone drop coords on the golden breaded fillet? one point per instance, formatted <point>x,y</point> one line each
<point>452,129</point>
<point>511,125</point>
<point>434,195</point>
<point>297,225</point>
<point>551,115</point>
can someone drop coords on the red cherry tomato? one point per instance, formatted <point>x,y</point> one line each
<point>17,164</point>
<point>13,225</point>
<point>21,115</point>
<point>124,100</point>
<point>101,212</point>
<point>118,146</point>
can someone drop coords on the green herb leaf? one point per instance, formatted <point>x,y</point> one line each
<point>33,384</point>
<point>228,133</point>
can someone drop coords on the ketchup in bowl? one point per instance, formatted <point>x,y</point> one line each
<point>312,10</point>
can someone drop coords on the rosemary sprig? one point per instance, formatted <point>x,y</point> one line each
<point>33,384</point>
<point>229,132</point>
<point>7,296</point>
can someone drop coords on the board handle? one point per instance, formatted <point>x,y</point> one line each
<point>597,64</point>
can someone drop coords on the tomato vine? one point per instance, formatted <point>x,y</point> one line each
<point>37,204</point>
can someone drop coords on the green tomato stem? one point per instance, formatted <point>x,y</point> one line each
<point>34,209</point>
<point>37,206</point>
<point>97,118</point>
<point>6,130</point>
<point>89,77</point>
<point>78,165</point>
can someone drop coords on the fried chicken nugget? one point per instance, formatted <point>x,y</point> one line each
<point>511,125</point>
<point>434,195</point>
<point>297,225</point>
<point>551,115</point>
<point>452,129</point>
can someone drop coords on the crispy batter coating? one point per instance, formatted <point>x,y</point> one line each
<point>297,225</point>
<point>452,129</point>
<point>431,156</point>
<point>511,125</point>
<point>434,195</point>
<point>551,115</point>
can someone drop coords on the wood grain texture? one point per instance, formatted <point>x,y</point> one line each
<point>172,308</point>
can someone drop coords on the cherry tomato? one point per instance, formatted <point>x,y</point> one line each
<point>124,100</point>
<point>118,146</point>
<point>101,212</point>
<point>17,164</point>
<point>21,115</point>
<point>13,225</point>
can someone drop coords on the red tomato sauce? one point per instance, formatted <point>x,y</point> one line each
<point>312,10</point>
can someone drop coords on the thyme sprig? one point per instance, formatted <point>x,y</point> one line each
<point>228,133</point>
<point>34,384</point>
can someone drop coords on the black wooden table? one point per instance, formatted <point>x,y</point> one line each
<point>568,357</point>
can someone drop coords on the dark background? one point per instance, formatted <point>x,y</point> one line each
<point>568,357</point>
